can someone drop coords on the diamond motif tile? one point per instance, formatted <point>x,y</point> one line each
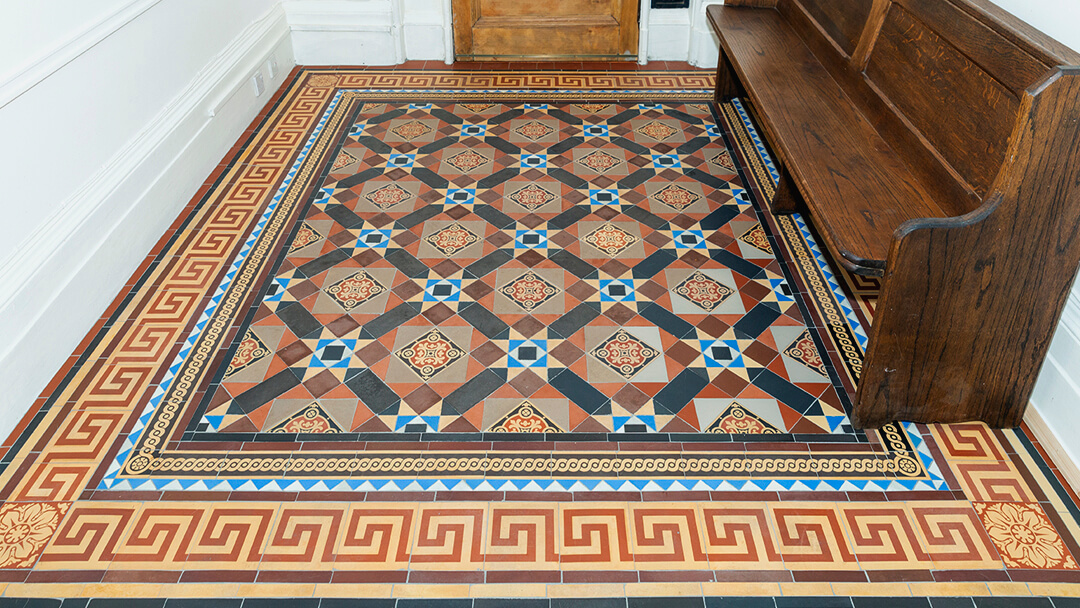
<point>704,291</point>
<point>452,239</point>
<point>430,354</point>
<point>610,239</point>
<point>529,291</point>
<point>354,290</point>
<point>624,353</point>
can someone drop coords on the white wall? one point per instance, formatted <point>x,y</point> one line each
<point>105,117</point>
<point>1057,394</point>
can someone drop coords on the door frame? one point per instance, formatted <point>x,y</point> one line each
<point>644,7</point>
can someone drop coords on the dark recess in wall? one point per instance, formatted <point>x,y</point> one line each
<point>671,3</point>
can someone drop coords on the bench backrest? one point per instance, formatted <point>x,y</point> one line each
<point>942,79</point>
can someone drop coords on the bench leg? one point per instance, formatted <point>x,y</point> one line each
<point>727,82</point>
<point>786,199</point>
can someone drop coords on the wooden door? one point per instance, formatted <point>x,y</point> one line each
<point>545,29</point>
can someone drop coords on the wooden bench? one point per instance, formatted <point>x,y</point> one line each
<point>934,143</point>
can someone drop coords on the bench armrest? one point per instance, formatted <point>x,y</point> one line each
<point>970,303</point>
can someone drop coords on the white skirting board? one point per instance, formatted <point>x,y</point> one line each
<point>74,264</point>
<point>1046,437</point>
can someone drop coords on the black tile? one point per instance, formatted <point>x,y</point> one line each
<point>488,263</point>
<point>434,603</point>
<point>693,145</point>
<point>739,602</point>
<point>568,324</point>
<point>493,216</point>
<point>568,218</point>
<point>14,602</point>
<point>323,263</point>
<point>506,147</point>
<point>354,603</point>
<point>952,602</point>
<point>666,320</point>
<point>565,145</point>
<point>812,602</point>
<point>436,145</point>
<point>374,144</point>
<point>1013,602</point>
<point>419,216</point>
<point>344,216</point>
<point>448,117</point>
<point>564,116</point>
<point>1066,602</point>
<point>218,602</point>
<point>297,319</point>
<point>265,391</point>
<point>472,392</point>
<point>363,176</point>
<point>650,220</point>
<point>665,602</point>
<point>756,321</point>
<point>583,394</point>
<point>706,178</point>
<point>659,260</point>
<point>636,178</point>
<point>567,178</point>
<point>784,391</point>
<point>373,391</point>
<point>430,178</point>
<point>494,180</point>
<point>281,602</point>
<point>390,319</point>
<point>891,602</point>
<point>683,116</point>
<point>674,397</point>
<point>505,116</point>
<point>75,602</point>
<point>572,263</point>
<point>126,602</point>
<point>485,321</point>
<point>407,263</point>
<point>592,602</point>
<point>737,264</point>
<point>623,116</point>
<point>42,602</point>
<point>719,218</point>
<point>631,146</point>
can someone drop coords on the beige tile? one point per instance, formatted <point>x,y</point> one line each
<point>276,590</point>
<point>663,589</point>
<point>509,590</point>
<point>1006,589</point>
<point>44,590</point>
<point>201,590</point>
<point>806,589</point>
<point>353,590</point>
<point>875,589</point>
<point>950,589</point>
<point>430,591</point>
<point>576,590</point>
<point>741,589</point>
<point>122,590</point>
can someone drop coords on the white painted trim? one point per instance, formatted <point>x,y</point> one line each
<point>397,32</point>
<point>1053,446</point>
<point>108,224</point>
<point>448,33</point>
<point>1070,318</point>
<point>643,32</point>
<point>31,74</point>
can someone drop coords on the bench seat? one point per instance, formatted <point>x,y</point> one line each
<point>857,187</point>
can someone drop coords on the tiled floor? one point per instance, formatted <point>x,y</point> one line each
<point>464,333</point>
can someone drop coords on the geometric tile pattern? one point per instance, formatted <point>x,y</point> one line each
<point>641,306</point>
<point>102,497</point>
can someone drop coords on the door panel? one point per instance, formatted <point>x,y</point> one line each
<point>553,29</point>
